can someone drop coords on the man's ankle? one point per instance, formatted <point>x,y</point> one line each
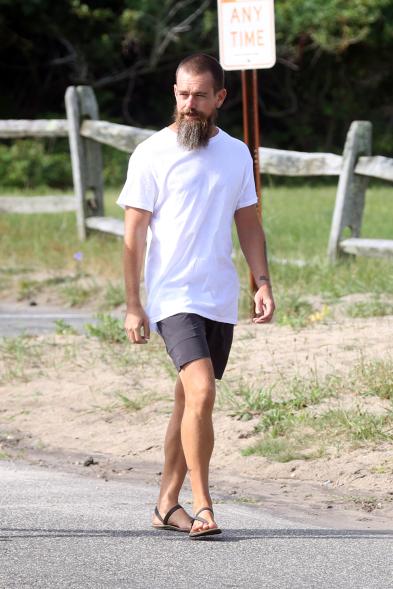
<point>168,500</point>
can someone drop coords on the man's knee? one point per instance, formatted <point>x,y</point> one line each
<point>199,385</point>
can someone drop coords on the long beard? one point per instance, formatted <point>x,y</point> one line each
<point>194,133</point>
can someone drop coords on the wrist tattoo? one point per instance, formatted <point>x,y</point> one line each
<point>264,279</point>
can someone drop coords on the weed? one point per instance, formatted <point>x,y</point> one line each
<point>28,289</point>
<point>114,296</point>
<point>375,378</point>
<point>279,449</point>
<point>107,329</point>
<point>64,328</point>
<point>357,425</point>
<point>366,503</point>
<point>374,308</point>
<point>293,311</point>
<point>19,353</point>
<point>76,295</point>
<point>133,405</point>
<point>245,402</point>
<point>385,468</point>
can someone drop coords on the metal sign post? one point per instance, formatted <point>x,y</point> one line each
<point>247,43</point>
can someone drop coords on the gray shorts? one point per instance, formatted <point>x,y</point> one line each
<point>189,336</point>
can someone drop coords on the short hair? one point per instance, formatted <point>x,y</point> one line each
<point>199,63</point>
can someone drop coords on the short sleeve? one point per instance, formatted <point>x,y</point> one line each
<point>140,189</point>
<point>248,195</point>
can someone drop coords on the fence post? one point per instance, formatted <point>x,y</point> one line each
<point>86,157</point>
<point>351,189</point>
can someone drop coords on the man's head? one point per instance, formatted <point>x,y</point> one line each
<point>199,92</point>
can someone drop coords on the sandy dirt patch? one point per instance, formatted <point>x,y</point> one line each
<point>66,398</point>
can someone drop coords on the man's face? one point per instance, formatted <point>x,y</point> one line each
<point>196,107</point>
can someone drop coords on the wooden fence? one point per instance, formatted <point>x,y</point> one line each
<point>86,132</point>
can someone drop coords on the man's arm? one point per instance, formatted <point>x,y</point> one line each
<point>136,222</point>
<point>253,244</point>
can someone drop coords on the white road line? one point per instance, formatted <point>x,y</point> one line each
<point>43,316</point>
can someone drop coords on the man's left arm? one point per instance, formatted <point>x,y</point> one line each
<point>253,244</point>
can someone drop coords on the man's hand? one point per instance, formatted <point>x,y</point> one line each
<point>264,304</point>
<point>136,320</point>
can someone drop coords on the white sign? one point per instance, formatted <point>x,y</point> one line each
<point>246,34</point>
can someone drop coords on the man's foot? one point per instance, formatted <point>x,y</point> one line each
<point>178,519</point>
<point>203,526</point>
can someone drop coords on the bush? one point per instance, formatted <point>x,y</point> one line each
<point>30,163</point>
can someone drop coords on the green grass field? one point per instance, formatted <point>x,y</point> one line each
<point>296,220</point>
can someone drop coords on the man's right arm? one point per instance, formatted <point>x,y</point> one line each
<point>136,222</point>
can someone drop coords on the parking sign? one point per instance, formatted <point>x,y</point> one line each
<point>246,34</point>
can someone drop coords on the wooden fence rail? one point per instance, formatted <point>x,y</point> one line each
<point>18,128</point>
<point>86,133</point>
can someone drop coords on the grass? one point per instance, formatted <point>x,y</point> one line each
<point>303,436</point>
<point>246,402</point>
<point>108,329</point>
<point>75,295</point>
<point>64,328</point>
<point>292,310</point>
<point>18,355</point>
<point>133,405</point>
<point>375,308</point>
<point>114,296</point>
<point>292,430</point>
<point>375,378</point>
<point>297,224</point>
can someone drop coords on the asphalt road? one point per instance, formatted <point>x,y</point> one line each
<point>63,530</point>
<point>21,319</point>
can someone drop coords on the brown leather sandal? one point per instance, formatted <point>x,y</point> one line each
<point>165,525</point>
<point>201,533</point>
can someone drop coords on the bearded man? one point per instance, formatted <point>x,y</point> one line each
<point>184,187</point>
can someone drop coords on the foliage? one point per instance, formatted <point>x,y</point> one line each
<point>32,163</point>
<point>334,63</point>
<point>27,164</point>
<point>107,329</point>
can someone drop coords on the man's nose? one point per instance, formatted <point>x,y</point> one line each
<point>191,101</point>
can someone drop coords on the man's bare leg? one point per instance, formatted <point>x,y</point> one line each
<point>197,434</point>
<point>175,467</point>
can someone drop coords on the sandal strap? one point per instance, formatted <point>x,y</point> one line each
<point>170,512</point>
<point>158,515</point>
<point>203,509</point>
<point>200,519</point>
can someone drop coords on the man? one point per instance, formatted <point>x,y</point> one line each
<point>186,184</point>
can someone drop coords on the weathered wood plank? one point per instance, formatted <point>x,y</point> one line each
<point>37,204</point>
<point>106,225</point>
<point>376,166</point>
<point>374,248</point>
<point>121,137</point>
<point>298,163</point>
<point>92,154</point>
<point>17,128</point>
<point>77,157</point>
<point>351,189</point>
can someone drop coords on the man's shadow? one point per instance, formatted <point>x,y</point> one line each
<point>229,535</point>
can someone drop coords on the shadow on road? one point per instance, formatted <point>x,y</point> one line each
<point>230,535</point>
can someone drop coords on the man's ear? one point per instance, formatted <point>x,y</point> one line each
<point>221,95</point>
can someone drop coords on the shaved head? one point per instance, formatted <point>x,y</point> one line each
<point>200,63</point>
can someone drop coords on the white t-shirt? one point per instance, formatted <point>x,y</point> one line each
<point>192,196</point>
